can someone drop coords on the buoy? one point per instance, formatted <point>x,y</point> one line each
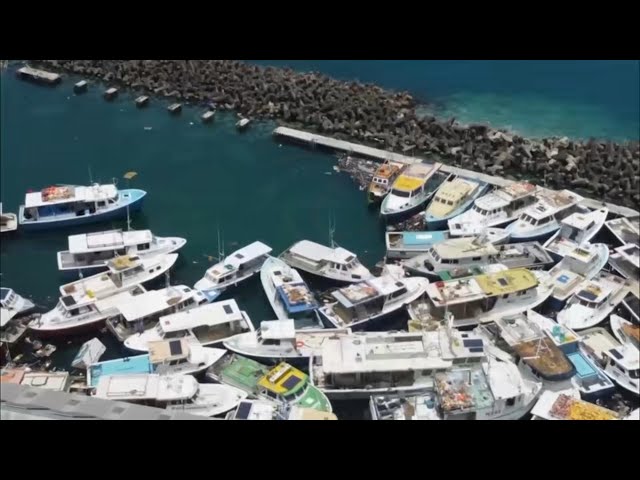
<point>299,344</point>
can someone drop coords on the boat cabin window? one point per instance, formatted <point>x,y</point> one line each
<point>102,204</point>
<point>400,193</point>
<point>144,246</point>
<point>511,401</point>
<point>449,202</point>
<point>634,373</point>
<point>271,341</point>
<point>399,293</point>
<point>476,259</point>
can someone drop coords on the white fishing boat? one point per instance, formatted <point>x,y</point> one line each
<point>575,231</point>
<point>624,331</point>
<point>580,264</point>
<point>206,325</point>
<point>470,252</point>
<point>495,209</point>
<point>626,262</point>
<point>454,196</point>
<point>123,273</point>
<point>494,390</point>
<point>13,303</point>
<point>541,220</point>
<point>593,301</point>
<point>361,305</point>
<point>71,317</point>
<point>334,263</point>
<point>279,340</point>
<point>92,251</point>
<point>8,221</point>
<point>70,205</point>
<point>237,267</point>
<point>172,392</point>
<point>412,189</point>
<point>165,357</point>
<point>620,362</point>
<point>143,312</point>
<point>625,229</point>
<point>288,294</point>
<point>558,406</point>
<point>375,363</point>
<point>484,298</point>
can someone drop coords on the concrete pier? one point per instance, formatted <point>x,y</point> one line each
<point>39,76</point>
<point>333,145</point>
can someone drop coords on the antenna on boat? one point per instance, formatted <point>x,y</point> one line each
<point>90,175</point>
<point>220,247</point>
<point>128,176</point>
<point>332,231</point>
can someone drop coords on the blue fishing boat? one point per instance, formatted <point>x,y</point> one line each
<point>454,197</point>
<point>70,205</point>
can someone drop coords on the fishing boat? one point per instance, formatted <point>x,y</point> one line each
<point>143,312</point>
<point>176,393</point>
<point>288,294</point>
<point>165,357</point>
<point>382,180</point>
<point>626,262</point>
<point>8,221</point>
<point>412,189</point>
<point>593,301</point>
<point>237,267</point>
<point>70,205</point>
<point>625,229</point>
<point>334,263</point>
<point>541,220</point>
<point>580,264</point>
<point>494,390</point>
<point>91,252</point>
<point>558,406</point>
<point>495,209</point>
<point>453,197</point>
<point>575,231</point>
<point>280,341</point>
<point>123,272</point>
<point>205,325</point>
<point>620,362</point>
<point>470,252</point>
<point>69,317</point>
<point>282,384</point>
<point>624,331</point>
<point>362,364</point>
<point>484,298</point>
<point>363,305</point>
<point>14,304</point>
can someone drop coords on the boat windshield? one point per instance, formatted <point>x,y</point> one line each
<point>159,329</point>
<point>481,211</point>
<point>400,193</point>
<point>634,373</point>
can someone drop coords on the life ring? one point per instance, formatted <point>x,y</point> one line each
<point>299,344</point>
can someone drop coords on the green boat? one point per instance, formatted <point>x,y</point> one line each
<point>283,383</point>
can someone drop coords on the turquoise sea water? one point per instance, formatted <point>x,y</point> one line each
<point>576,98</point>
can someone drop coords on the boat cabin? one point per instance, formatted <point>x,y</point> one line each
<point>412,181</point>
<point>595,294</point>
<point>548,208</point>
<point>236,265</point>
<point>625,229</point>
<point>64,200</point>
<point>626,261</point>
<point>283,382</point>
<point>319,259</point>
<point>151,389</point>
<point>506,199</point>
<point>384,176</point>
<point>589,377</point>
<point>451,195</point>
<point>296,298</point>
<point>277,332</point>
<point>623,361</point>
<point>170,356</point>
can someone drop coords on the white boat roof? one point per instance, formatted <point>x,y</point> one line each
<point>625,355</point>
<point>239,257</point>
<point>599,288</point>
<point>317,252</point>
<point>69,194</point>
<point>153,301</point>
<point>504,196</point>
<point>255,410</point>
<point>215,313</point>
<point>551,201</point>
<point>5,316</point>
<point>367,290</point>
<point>108,240</point>
<point>57,381</point>
<point>278,329</point>
<point>421,170</point>
<point>505,380</point>
<point>114,301</point>
<point>631,253</point>
<point>517,329</point>
<point>397,352</point>
<point>463,247</point>
<point>146,387</point>
<point>625,227</point>
<point>599,340</point>
<point>580,221</point>
<point>585,254</point>
<point>179,349</point>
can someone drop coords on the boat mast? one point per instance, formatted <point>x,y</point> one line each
<point>332,231</point>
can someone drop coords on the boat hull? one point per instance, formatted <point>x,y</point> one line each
<point>105,215</point>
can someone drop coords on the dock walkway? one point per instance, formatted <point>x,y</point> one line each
<point>335,145</point>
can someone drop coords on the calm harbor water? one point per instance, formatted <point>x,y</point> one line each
<point>202,178</point>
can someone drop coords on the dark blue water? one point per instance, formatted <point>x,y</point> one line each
<point>577,98</point>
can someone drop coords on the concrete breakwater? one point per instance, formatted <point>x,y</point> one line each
<point>370,115</point>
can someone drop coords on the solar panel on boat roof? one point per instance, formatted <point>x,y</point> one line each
<point>474,342</point>
<point>239,255</point>
<point>476,350</point>
<point>243,411</point>
<point>175,347</point>
<point>615,353</point>
<point>588,295</point>
<point>399,284</point>
<point>291,382</point>
<point>227,309</point>
<point>503,282</point>
<point>68,300</point>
